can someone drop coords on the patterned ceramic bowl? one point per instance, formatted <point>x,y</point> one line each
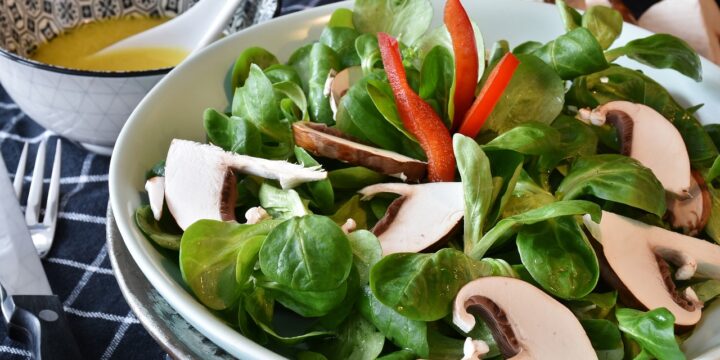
<point>89,107</point>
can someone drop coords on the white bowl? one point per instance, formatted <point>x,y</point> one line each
<point>89,107</point>
<point>174,109</point>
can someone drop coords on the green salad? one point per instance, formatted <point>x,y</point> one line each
<point>399,192</point>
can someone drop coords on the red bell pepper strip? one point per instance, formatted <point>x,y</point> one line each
<point>418,116</point>
<point>489,96</point>
<point>466,58</point>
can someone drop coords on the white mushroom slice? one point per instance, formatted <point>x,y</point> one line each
<point>323,141</point>
<point>635,252</point>
<point>645,135</point>
<point>155,188</point>
<point>338,84</point>
<point>526,323</point>
<point>422,216</point>
<point>200,181</point>
<point>691,214</point>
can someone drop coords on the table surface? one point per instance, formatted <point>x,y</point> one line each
<point>78,266</point>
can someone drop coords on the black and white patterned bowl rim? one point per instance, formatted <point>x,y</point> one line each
<point>25,24</point>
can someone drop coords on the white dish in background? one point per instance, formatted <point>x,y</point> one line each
<point>174,109</point>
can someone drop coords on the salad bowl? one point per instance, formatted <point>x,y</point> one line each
<point>174,109</point>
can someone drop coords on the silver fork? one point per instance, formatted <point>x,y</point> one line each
<point>42,232</point>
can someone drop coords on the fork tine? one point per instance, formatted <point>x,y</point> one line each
<point>54,192</point>
<point>20,172</point>
<point>32,210</point>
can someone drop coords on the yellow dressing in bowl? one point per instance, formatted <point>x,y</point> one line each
<point>75,48</point>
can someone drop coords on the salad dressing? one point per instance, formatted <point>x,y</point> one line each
<point>75,48</point>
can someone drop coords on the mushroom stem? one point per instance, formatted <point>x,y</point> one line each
<point>349,226</point>
<point>474,349</point>
<point>686,264</point>
<point>677,296</point>
<point>255,215</point>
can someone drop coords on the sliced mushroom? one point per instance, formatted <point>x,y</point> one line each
<point>421,217</point>
<point>338,84</point>
<point>636,253</point>
<point>691,214</point>
<point>326,142</point>
<point>648,137</point>
<point>155,188</point>
<point>200,181</point>
<point>525,322</point>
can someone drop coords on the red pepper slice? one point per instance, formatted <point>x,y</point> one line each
<point>418,116</point>
<point>489,96</point>
<point>466,58</point>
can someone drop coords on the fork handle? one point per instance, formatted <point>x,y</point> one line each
<point>39,323</point>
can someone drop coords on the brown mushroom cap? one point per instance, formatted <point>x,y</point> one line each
<point>330,143</point>
<point>525,322</point>
<point>421,217</point>
<point>200,181</point>
<point>632,250</point>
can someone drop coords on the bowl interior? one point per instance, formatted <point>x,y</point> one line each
<point>174,108</point>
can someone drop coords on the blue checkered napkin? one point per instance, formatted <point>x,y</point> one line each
<point>77,266</point>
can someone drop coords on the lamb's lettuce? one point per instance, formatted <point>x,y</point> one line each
<point>313,63</point>
<point>407,19</point>
<point>208,259</point>
<point>573,54</point>
<point>535,93</point>
<point>652,330</point>
<point>604,23</point>
<point>474,168</point>
<point>558,255</point>
<point>605,338</point>
<point>281,204</point>
<point>403,332</point>
<point>508,227</point>
<point>614,178</point>
<point>232,133</point>
<point>257,102</point>
<point>422,286</point>
<point>662,51</point>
